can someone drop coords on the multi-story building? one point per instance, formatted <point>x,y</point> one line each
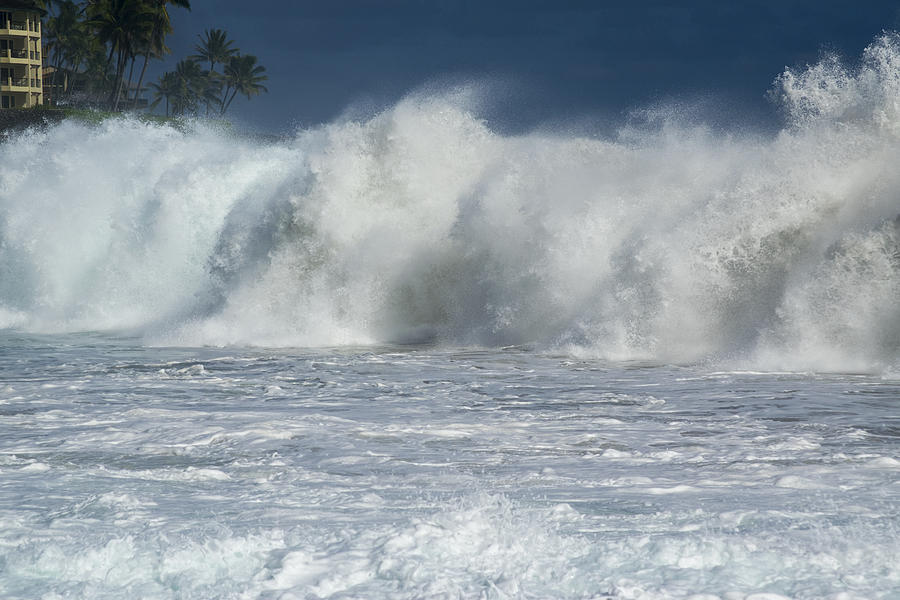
<point>20,54</point>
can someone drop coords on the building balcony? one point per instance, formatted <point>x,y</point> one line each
<point>17,84</point>
<point>16,56</point>
<point>15,28</point>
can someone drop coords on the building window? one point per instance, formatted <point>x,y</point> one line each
<point>9,102</point>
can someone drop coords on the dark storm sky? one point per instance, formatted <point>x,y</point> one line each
<point>550,61</point>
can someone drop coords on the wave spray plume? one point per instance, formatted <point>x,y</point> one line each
<point>670,242</point>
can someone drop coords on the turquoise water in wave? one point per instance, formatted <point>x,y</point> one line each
<point>409,472</point>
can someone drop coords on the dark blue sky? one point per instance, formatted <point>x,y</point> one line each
<point>550,61</point>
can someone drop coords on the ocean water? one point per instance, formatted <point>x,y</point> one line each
<point>380,472</point>
<point>407,356</point>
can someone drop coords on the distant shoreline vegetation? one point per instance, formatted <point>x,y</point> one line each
<point>17,120</point>
<point>98,52</point>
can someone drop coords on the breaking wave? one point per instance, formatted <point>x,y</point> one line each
<point>669,241</point>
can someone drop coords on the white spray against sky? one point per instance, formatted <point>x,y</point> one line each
<point>669,242</point>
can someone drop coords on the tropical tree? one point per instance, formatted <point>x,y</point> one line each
<point>214,48</point>
<point>154,44</point>
<point>75,52</point>
<point>190,86</point>
<point>46,4</point>
<point>165,89</point>
<point>100,41</point>
<point>89,55</point>
<point>61,33</point>
<point>243,76</point>
<point>121,24</point>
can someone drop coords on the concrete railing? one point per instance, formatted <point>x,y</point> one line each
<point>15,81</point>
<point>14,53</point>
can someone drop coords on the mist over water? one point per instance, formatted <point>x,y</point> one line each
<point>518,453</point>
<point>668,242</point>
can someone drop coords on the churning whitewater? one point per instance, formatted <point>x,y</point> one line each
<point>410,357</point>
<point>670,242</point>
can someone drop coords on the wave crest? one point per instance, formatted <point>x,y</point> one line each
<point>421,224</point>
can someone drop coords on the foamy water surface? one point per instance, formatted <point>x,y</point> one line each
<point>668,242</point>
<point>407,356</point>
<point>128,472</point>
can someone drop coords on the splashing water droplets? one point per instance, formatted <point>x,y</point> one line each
<point>669,242</point>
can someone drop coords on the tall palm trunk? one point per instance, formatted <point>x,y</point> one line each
<point>212,65</point>
<point>233,94</point>
<point>225,97</point>
<point>55,82</point>
<point>130,75</point>
<point>146,61</point>
<point>120,76</point>
<point>141,78</point>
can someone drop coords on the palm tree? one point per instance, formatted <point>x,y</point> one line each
<point>215,48</point>
<point>244,76</point>
<point>88,53</point>
<point>190,83</point>
<point>61,32</point>
<point>154,44</point>
<point>121,24</point>
<point>164,90</point>
<point>46,4</point>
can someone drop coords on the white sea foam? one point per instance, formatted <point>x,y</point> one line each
<point>667,242</point>
<point>436,473</point>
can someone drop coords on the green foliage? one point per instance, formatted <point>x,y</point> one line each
<point>214,48</point>
<point>164,89</point>
<point>95,45</point>
<point>243,76</point>
<point>122,25</point>
<point>189,86</point>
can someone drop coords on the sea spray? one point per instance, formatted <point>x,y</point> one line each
<point>669,242</point>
